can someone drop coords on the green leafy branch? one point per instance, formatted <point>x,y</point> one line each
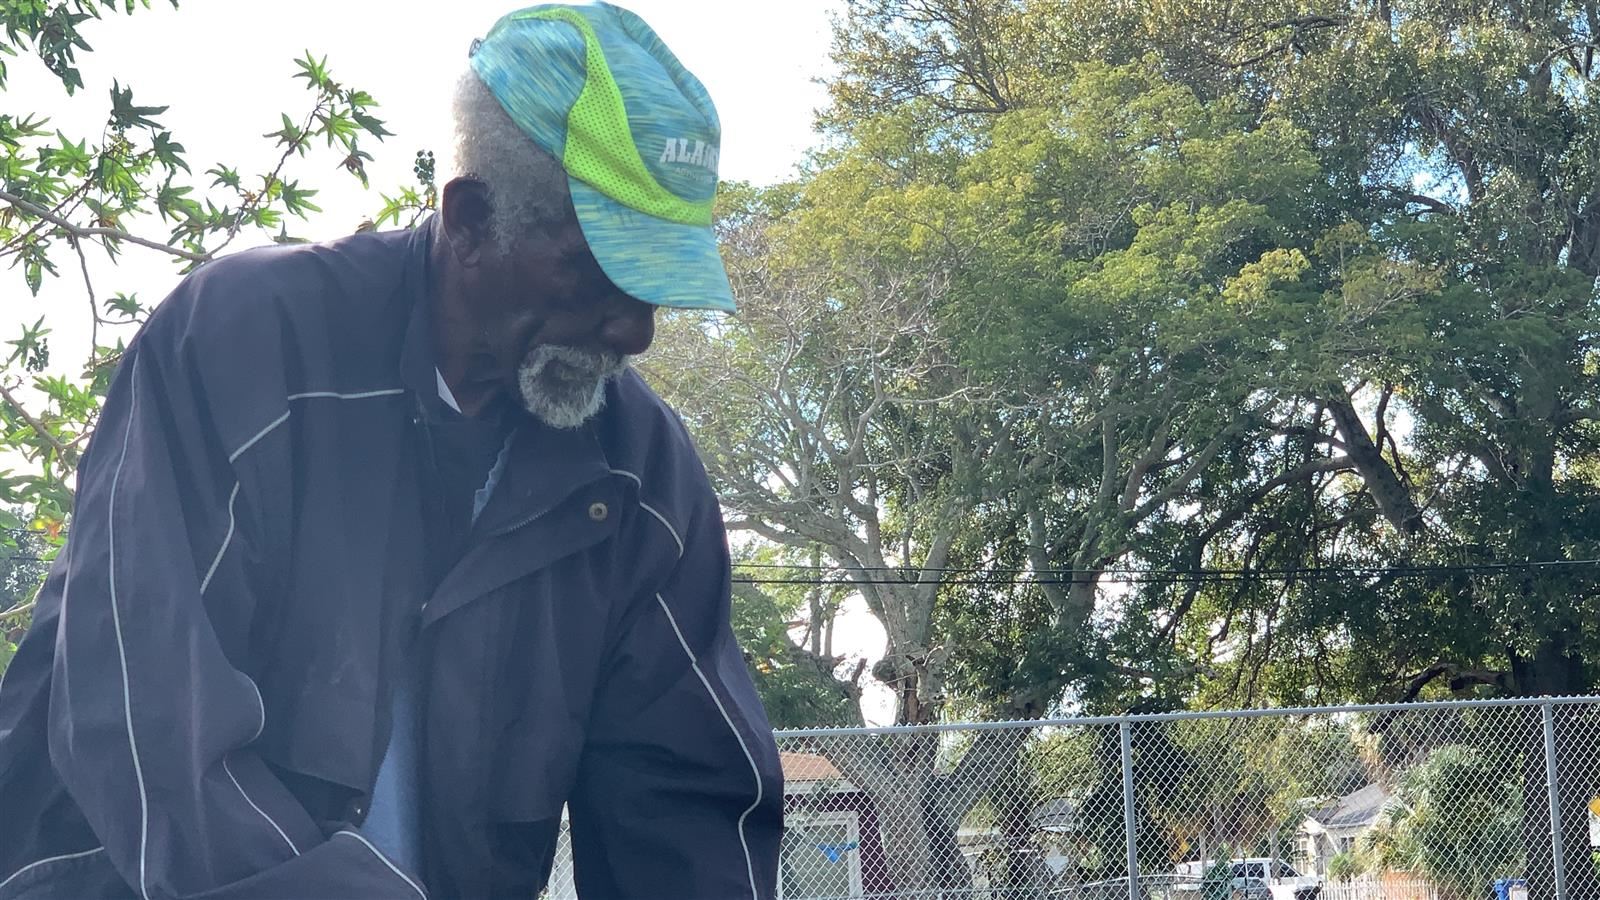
<point>51,31</point>
<point>415,201</point>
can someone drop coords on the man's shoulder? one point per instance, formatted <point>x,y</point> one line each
<point>237,294</point>
<point>639,427</point>
<point>643,437</point>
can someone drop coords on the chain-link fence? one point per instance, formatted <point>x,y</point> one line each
<point>1425,801</point>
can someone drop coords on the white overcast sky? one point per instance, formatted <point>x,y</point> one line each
<point>225,69</point>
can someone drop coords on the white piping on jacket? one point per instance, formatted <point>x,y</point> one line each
<point>383,859</point>
<point>39,862</point>
<point>694,663</point>
<point>652,510</point>
<point>116,622</point>
<point>272,426</point>
<point>263,813</point>
<point>217,561</point>
<point>226,540</point>
<point>335,395</point>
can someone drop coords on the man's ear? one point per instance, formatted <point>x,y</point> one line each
<point>466,216</point>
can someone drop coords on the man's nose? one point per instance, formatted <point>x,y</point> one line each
<point>629,326</point>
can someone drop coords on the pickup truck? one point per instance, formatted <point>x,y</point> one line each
<point>1253,878</point>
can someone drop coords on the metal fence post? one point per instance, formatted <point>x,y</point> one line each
<point>1129,821</point>
<point>1557,850</point>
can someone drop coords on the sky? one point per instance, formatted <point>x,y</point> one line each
<point>225,70</point>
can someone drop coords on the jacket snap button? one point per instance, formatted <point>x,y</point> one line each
<point>598,511</point>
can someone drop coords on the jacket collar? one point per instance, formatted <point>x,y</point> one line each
<point>545,465</point>
<point>417,369</point>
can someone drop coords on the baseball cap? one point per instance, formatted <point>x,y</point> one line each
<point>593,85</point>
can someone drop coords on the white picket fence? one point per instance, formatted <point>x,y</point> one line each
<point>1390,888</point>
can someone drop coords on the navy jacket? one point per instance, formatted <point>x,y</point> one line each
<point>201,703</point>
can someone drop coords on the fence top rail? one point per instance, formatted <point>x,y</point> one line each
<point>1191,715</point>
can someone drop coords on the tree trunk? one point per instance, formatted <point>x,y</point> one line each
<point>942,825</point>
<point>903,825</point>
<point>919,809</point>
<point>1025,874</point>
<point>896,772</point>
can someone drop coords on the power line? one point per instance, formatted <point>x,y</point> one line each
<point>1439,567</point>
<point>1115,576</point>
<point>1442,567</point>
<point>853,575</point>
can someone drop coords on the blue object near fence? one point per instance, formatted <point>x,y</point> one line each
<point>836,852</point>
<point>1511,889</point>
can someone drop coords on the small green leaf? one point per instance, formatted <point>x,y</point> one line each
<point>284,237</point>
<point>289,135</point>
<point>124,114</point>
<point>295,200</point>
<point>314,71</point>
<point>127,306</point>
<point>225,176</point>
<point>372,125</point>
<point>168,152</point>
<point>172,202</point>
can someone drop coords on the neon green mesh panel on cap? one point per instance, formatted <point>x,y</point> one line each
<point>600,147</point>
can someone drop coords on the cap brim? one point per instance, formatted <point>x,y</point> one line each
<point>657,261</point>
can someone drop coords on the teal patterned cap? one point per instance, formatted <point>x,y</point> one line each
<point>594,86</point>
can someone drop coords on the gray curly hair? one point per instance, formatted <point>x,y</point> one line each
<point>527,186</point>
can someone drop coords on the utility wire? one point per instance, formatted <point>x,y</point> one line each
<point>1024,570</point>
<point>965,575</point>
<point>853,575</point>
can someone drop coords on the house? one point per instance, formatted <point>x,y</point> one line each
<point>833,847</point>
<point>831,844</point>
<point>1334,827</point>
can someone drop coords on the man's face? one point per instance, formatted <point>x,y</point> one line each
<point>567,329</point>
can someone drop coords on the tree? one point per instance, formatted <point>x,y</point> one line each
<point>812,412</point>
<point>1413,329</point>
<point>819,411</point>
<point>24,557</point>
<point>1299,291</point>
<point>1454,820</point>
<point>795,678</point>
<point>1466,157</point>
<point>1424,239</point>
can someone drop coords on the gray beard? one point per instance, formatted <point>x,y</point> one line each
<point>563,387</point>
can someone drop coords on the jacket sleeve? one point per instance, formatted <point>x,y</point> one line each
<point>151,722</point>
<point>679,793</point>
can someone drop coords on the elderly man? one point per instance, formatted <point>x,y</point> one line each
<point>382,555</point>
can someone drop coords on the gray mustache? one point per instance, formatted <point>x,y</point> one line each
<point>574,361</point>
